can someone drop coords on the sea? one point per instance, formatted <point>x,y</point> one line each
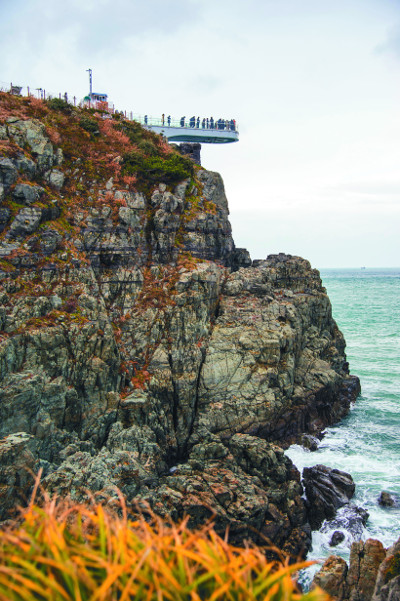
<point>366,444</point>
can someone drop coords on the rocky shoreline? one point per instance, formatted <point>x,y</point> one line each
<point>140,350</point>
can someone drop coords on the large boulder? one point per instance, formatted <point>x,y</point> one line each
<point>326,490</point>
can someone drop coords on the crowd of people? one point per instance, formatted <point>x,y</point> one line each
<point>205,123</point>
<point>209,123</point>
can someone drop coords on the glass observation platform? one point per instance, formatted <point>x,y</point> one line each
<point>203,131</point>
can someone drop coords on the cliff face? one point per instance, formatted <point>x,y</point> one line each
<point>139,348</point>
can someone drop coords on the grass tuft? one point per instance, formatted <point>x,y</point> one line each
<point>68,552</point>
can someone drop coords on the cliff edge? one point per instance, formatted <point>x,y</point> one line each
<point>139,349</point>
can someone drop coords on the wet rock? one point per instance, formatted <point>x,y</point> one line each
<point>350,518</point>
<point>309,442</point>
<point>386,499</point>
<point>337,538</point>
<point>326,490</point>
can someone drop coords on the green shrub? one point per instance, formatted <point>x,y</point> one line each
<point>148,148</point>
<point>89,125</point>
<point>58,104</point>
<point>171,169</point>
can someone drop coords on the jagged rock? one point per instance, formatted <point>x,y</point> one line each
<point>372,575</point>
<point>26,194</point>
<point>350,518</point>
<point>32,133</point>
<point>386,499</point>
<point>309,442</point>
<point>5,214</point>
<point>337,538</point>
<point>25,222</point>
<point>56,178</point>
<point>365,559</point>
<point>8,172</point>
<point>332,578</point>
<point>387,587</point>
<point>18,464</point>
<point>326,490</point>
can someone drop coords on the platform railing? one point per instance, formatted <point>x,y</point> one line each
<point>226,125</point>
<point>146,120</point>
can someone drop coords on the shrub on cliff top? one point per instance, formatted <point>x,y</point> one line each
<point>170,170</point>
<point>67,552</point>
<point>58,104</point>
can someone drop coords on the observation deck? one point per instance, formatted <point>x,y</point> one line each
<point>201,131</point>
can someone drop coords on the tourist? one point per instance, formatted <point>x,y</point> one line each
<point>198,122</point>
<point>183,122</point>
<point>207,123</point>
<point>192,121</point>
<point>169,119</point>
<point>203,123</point>
<point>211,123</point>
<point>163,118</point>
<point>145,119</point>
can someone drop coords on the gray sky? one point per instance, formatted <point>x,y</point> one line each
<point>313,84</point>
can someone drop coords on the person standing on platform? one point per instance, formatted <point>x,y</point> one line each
<point>145,119</point>
<point>211,123</point>
<point>203,124</point>
<point>207,123</point>
<point>163,119</point>
<point>198,122</point>
<point>169,119</point>
<point>182,122</point>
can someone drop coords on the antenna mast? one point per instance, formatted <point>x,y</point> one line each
<point>90,81</point>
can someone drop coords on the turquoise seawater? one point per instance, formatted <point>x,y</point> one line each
<point>366,306</point>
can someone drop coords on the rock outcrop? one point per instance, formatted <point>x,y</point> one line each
<point>373,573</point>
<point>139,348</point>
<point>326,490</point>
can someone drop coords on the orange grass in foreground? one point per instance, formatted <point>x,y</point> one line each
<point>64,551</point>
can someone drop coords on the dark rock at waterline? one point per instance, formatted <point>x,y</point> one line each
<point>326,490</point>
<point>337,538</point>
<point>386,499</point>
<point>309,442</point>
<point>350,518</point>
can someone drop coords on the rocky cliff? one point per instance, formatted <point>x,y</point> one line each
<point>139,349</point>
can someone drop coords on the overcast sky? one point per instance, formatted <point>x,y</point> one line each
<point>313,84</point>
